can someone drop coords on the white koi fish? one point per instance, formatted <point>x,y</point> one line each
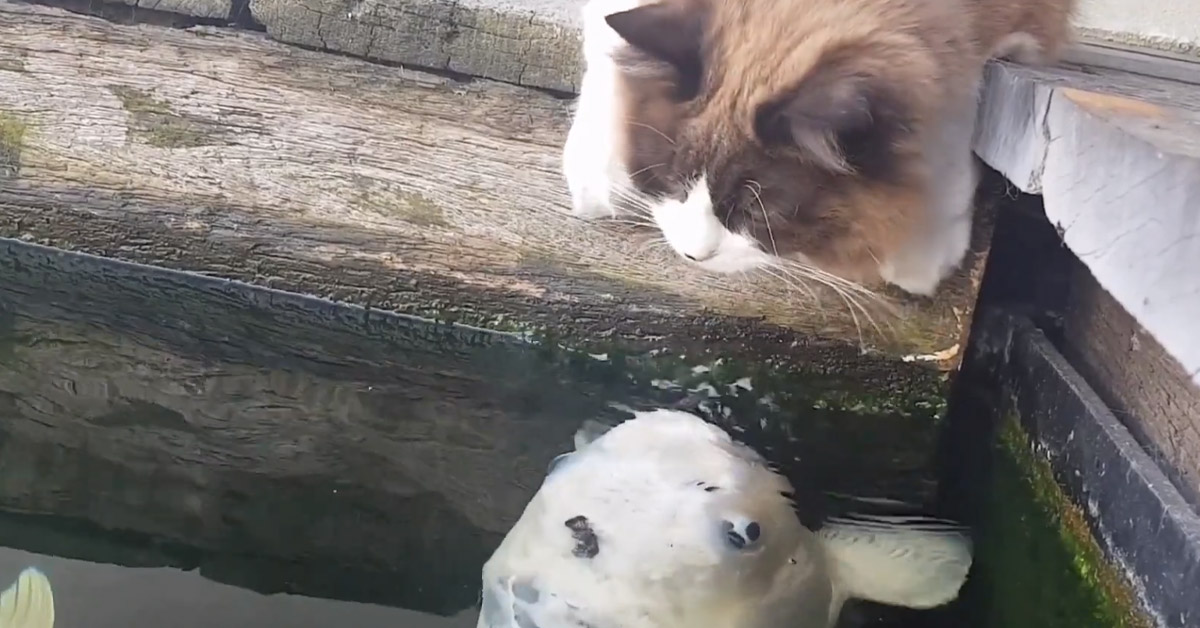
<point>664,521</point>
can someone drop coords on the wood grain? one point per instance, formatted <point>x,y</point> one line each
<point>225,153</point>
<point>1146,388</point>
<point>1116,157</point>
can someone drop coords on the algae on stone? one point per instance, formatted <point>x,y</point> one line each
<point>13,132</point>
<point>12,63</point>
<point>1037,563</point>
<point>419,210</point>
<point>154,122</point>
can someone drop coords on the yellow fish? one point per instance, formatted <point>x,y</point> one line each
<point>28,602</point>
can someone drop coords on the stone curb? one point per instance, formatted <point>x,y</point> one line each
<point>204,9</point>
<point>533,43</point>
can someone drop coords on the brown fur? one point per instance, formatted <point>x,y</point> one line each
<point>809,116</point>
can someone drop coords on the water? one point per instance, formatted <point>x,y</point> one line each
<point>178,449</point>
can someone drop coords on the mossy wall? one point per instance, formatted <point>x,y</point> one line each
<point>1037,563</point>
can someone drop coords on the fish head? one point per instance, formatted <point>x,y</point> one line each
<point>662,521</point>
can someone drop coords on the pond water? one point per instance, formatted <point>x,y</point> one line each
<point>180,451</point>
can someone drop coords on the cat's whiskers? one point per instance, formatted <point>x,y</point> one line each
<point>756,189</point>
<point>650,167</point>
<point>848,284</point>
<point>792,283</point>
<point>635,201</point>
<point>842,285</point>
<point>860,301</point>
<point>791,278</point>
<point>650,128</point>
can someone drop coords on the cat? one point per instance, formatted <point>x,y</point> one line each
<point>831,134</point>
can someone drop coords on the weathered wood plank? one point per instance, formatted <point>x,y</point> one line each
<point>1106,55</point>
<point>1116,157</point>
<point>1148,390</point>
<point>229,154</point>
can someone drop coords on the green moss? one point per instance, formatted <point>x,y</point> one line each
<point>420,210</point>
<point>13,133</point>
<point>11,63</point>
<point>1037,560</point>
<point>792,382</point>
<point>135,100</point>
<point>175,132</point>
<point>152,121</point>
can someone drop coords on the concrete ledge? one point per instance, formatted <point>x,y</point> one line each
<point>534,43</point>
<point>1116,158</point>
<point>204,9</point>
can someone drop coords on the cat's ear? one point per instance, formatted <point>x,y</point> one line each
<point>668,30</point>
<point>844,115</point>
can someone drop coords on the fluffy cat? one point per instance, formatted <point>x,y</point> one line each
<point>832,133</point>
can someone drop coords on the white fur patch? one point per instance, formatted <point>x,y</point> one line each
<point>693,231</point>
<point>593,162</point>
<point>937,247</point>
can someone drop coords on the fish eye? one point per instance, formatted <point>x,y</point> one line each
<point>741,535</point>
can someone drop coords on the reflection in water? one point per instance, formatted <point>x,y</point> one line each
<point>201,432</point>
<point>92,595</point>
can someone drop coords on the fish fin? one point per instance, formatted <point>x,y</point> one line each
<point>28,602</point>
<point>519,603</point>
<point>591,430</point>
<point>911,561</point>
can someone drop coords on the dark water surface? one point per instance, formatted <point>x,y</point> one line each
<point>180,451</point>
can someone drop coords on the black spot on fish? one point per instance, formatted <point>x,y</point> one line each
<point>586,543</point>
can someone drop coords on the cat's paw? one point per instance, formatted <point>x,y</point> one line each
<point>915,280</point>
<point>592,156</point>
<point>919,270</point>
<point>585,167</point>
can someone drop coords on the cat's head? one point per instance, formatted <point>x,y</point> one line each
<point>781,129</point>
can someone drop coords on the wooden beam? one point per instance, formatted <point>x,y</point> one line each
<point>224,153</point>
<point>1147,388</point>
<point>1116,157</point>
